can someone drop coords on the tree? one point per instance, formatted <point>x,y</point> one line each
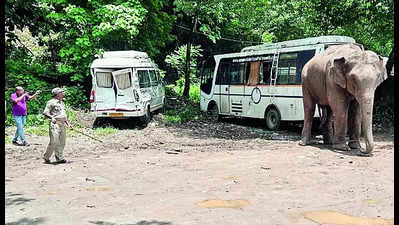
<point>204,16</point>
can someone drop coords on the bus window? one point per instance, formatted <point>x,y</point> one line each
<point>302,59</point>
<point>265,72</point>
<point>254,73</point>
<point>238,73</point>
<point>287,69</point>
<point>207,69</point>
<point>223,75</point>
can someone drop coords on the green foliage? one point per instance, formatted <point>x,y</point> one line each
<point>27,75</point>
<point>172,90</point>
<point>189,113</point>
<point>7,139</point>
<point>177,60</point>
<point>104,131</point>
<point>42,130</point>
<point>75,97</point>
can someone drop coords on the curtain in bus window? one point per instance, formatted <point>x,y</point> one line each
<point>123,81</point>
<point>104,79</point>
<point>254,73</point>
<point>153,77</point>
<point>144,78</point>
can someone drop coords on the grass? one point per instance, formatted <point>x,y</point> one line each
<point>41,130</point>
<point>104,131</point>
<point>189,113</point>
<point>8,139</point>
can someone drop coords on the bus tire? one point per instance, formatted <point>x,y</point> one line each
<point>272,119</point>
<point>213,112</point>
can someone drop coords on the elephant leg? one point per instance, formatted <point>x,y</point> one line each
<point>339,108</point>
<point>328,132</point>
<point>309,108</point>
<point>354,122</point>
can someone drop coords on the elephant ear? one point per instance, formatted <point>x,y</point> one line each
<point>384,74</point>
<point>339,67</point>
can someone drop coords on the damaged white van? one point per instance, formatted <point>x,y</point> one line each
<point>125,84</point>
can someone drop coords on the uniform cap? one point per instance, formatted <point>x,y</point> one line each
<point>57,90</point>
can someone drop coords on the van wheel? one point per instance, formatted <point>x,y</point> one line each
<point>147,117</point>
<point>98,122</point>
<point>213,113</point>
<point>273,119</point>
<point>163,109</point>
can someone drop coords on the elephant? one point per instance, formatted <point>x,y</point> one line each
<point>341,81</point>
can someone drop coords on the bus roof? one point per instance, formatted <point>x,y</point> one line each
<point>301,42</point>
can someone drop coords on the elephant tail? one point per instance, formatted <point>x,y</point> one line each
<point>322,114</point>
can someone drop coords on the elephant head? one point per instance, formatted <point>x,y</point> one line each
<point>360,73</point>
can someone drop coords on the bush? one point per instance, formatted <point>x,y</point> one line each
<point>75,97</point>
<point>189,113</point>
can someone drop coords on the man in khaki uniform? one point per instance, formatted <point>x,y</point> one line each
<point>55,110</point>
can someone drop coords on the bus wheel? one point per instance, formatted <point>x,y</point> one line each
<point>273,119</point>
<point>213,113</point>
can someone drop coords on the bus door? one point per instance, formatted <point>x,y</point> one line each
<point>223,79</point>
<point>237,73</point>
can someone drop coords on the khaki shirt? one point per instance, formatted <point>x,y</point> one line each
<point>56,109</point>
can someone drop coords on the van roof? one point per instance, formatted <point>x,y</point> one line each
<point>123,59</point>
<point>301,42</point>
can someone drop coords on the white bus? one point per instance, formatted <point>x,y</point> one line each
<point>262,81</point>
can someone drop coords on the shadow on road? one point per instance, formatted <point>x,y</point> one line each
<point>143,222</point>
<point>15,199</point>
<point>28,221</point>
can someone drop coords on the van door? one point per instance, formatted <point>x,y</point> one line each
<point>105,98</point>
<point>124,89</point>
<point>161,90</point>
<point>154,88</point>
<point>145,83</point>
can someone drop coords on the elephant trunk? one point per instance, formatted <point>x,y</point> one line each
<point>367,123</point>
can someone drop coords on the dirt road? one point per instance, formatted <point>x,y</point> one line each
<point>201,173</point>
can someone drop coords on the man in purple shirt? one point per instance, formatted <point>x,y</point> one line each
<point>19,112</point>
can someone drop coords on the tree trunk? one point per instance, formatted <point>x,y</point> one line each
<point>186,91</point>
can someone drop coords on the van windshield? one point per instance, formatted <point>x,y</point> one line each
<point>144,78</point>
<point>104,79</point>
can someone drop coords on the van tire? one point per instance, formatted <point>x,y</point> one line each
<point>98,122</point>
<point>147,117</point>
<point>272,119</point>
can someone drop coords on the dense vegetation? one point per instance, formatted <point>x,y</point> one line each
<point>52,42</point>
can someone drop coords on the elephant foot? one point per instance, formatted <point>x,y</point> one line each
<point>342,147</point>
<point>364,154</point>
<point>305,141</point>
<point>302,143</point>
<point>354,145</point>
<point>327,141</point>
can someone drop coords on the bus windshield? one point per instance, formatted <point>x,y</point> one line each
<point>207,69</point>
